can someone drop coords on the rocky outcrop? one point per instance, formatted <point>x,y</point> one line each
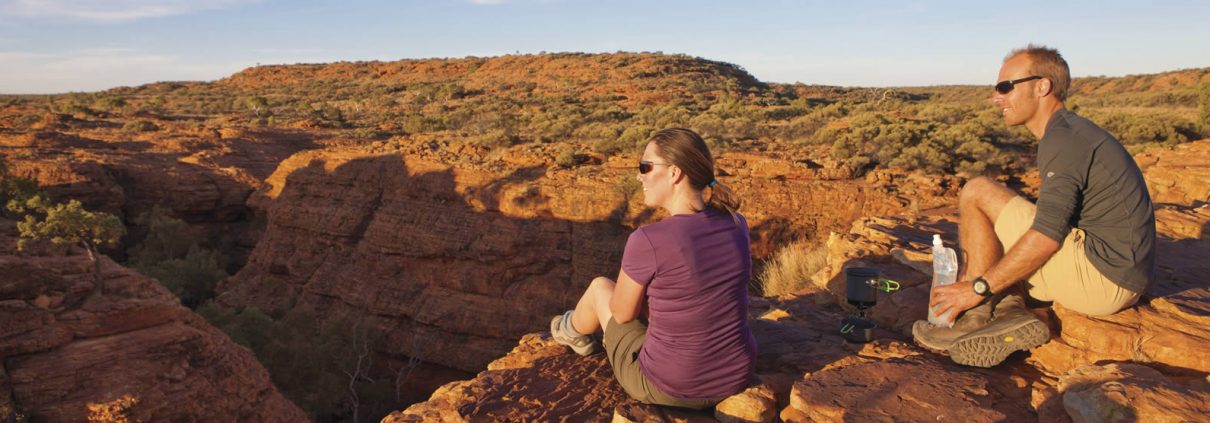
<point>1146,363</point>
<point>132,352</point>
<point>1130,392</point>
<point>197,175</point>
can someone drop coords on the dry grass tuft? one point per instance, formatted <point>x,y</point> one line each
<point>790,270</point>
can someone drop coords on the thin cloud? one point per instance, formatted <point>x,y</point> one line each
<point>27,72</point>
<point>110,11</point>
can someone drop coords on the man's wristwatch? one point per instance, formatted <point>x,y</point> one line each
<point>982,287</point>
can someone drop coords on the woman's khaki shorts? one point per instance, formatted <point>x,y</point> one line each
<point>1068,278</point>
<point>623,341</point>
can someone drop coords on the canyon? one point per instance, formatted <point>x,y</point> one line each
<point>454,252</point>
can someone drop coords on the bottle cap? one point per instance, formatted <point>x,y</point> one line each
<point>937,239</point>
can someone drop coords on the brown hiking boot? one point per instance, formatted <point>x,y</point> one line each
<point>1012,328</point>
<point>939,338</point>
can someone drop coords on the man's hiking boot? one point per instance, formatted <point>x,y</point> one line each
<point>582,344</point>
<point>1012,328</point>
<point>939,338</point>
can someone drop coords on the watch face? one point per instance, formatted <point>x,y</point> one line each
<point>981,287</point>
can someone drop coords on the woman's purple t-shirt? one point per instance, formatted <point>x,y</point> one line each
<point>696,269</point>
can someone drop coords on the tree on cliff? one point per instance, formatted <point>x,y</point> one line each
<point>13,188</point>
<point>69,223</point>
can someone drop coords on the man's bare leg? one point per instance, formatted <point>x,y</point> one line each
<point>979,205</point>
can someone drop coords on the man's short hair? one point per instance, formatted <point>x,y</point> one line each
<point>1047,63</point>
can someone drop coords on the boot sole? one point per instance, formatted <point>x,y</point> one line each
<point>987,350</point>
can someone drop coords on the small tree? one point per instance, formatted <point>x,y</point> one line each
<point>13,188</point>
<point>69,223</point>
<point>1205,88</point>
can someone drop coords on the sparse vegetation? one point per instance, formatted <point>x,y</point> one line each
<point>141,125</point>
<point>791,268</point>
<point>172,255</point>
<point>323,366</point>
<point>71,224</point>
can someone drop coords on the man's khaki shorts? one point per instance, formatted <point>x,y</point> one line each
<point>623,341</point>
<point>1068,278</point>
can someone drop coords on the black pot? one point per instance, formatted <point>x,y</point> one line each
<point>858,289</point>
<point>857,329</point>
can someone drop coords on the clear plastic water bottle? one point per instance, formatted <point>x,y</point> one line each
<point>945,272</point>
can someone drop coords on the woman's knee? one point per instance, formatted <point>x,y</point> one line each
<point>601,282</point>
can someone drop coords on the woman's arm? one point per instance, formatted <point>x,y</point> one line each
<point>627,299</point>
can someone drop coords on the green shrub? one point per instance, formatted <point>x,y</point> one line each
<point>1144,128</point>
<point>109,104</point>
<point>314,363</point>
<point>1204,95</point>
<point>141,125</point>
<point>566,158</point>
<point>496,139</point>
<point>172,255</point>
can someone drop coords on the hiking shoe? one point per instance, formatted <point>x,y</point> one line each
<point>939,338</point>
<point>1012,328</point>
<point>582,345</point>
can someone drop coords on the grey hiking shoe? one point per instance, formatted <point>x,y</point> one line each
<point>1012,328</point>
<point>939,338</point>
<point>582,345</point>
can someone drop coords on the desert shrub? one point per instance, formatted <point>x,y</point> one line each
<point>663,117</point>
<point>801,129</point>
<point>140,125</point>
<point>324,366</point>
<point>1204,95</point>
<point>414,124</point>
<point>791,268</point>
<point>370,133</point>
<point>1145,127</point>
<point>26,121</point>
<point>109,104</point>
<point>172,255</point>
<point>496,139</point>
<point>14,190</point>
<point>566,158</point>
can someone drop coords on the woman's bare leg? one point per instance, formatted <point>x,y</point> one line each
<point>592,313</point>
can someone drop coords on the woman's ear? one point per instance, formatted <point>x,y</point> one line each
<point>677,173</point>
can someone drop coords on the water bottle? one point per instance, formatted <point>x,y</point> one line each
<point>945,271</point>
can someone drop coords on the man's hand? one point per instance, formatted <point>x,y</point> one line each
<point>958,296</point>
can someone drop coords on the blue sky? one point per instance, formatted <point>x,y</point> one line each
<point>49,46</point>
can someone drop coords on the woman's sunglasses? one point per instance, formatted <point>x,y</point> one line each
<point>646,166</point>
<point>1005,87</point>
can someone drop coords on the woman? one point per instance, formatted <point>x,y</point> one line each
<point>692,268</point>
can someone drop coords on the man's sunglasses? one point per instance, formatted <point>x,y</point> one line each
<point>1005,87</point>
<point>646,166</point>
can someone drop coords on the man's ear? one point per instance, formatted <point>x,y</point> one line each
<point>1043,87</point>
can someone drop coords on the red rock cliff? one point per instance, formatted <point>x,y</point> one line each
<point>133,352</point>
<point>453,264</point>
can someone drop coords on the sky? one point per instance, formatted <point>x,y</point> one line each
<point>53,46</point>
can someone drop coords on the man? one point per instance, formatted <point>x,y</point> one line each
<point>1088,244</point>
